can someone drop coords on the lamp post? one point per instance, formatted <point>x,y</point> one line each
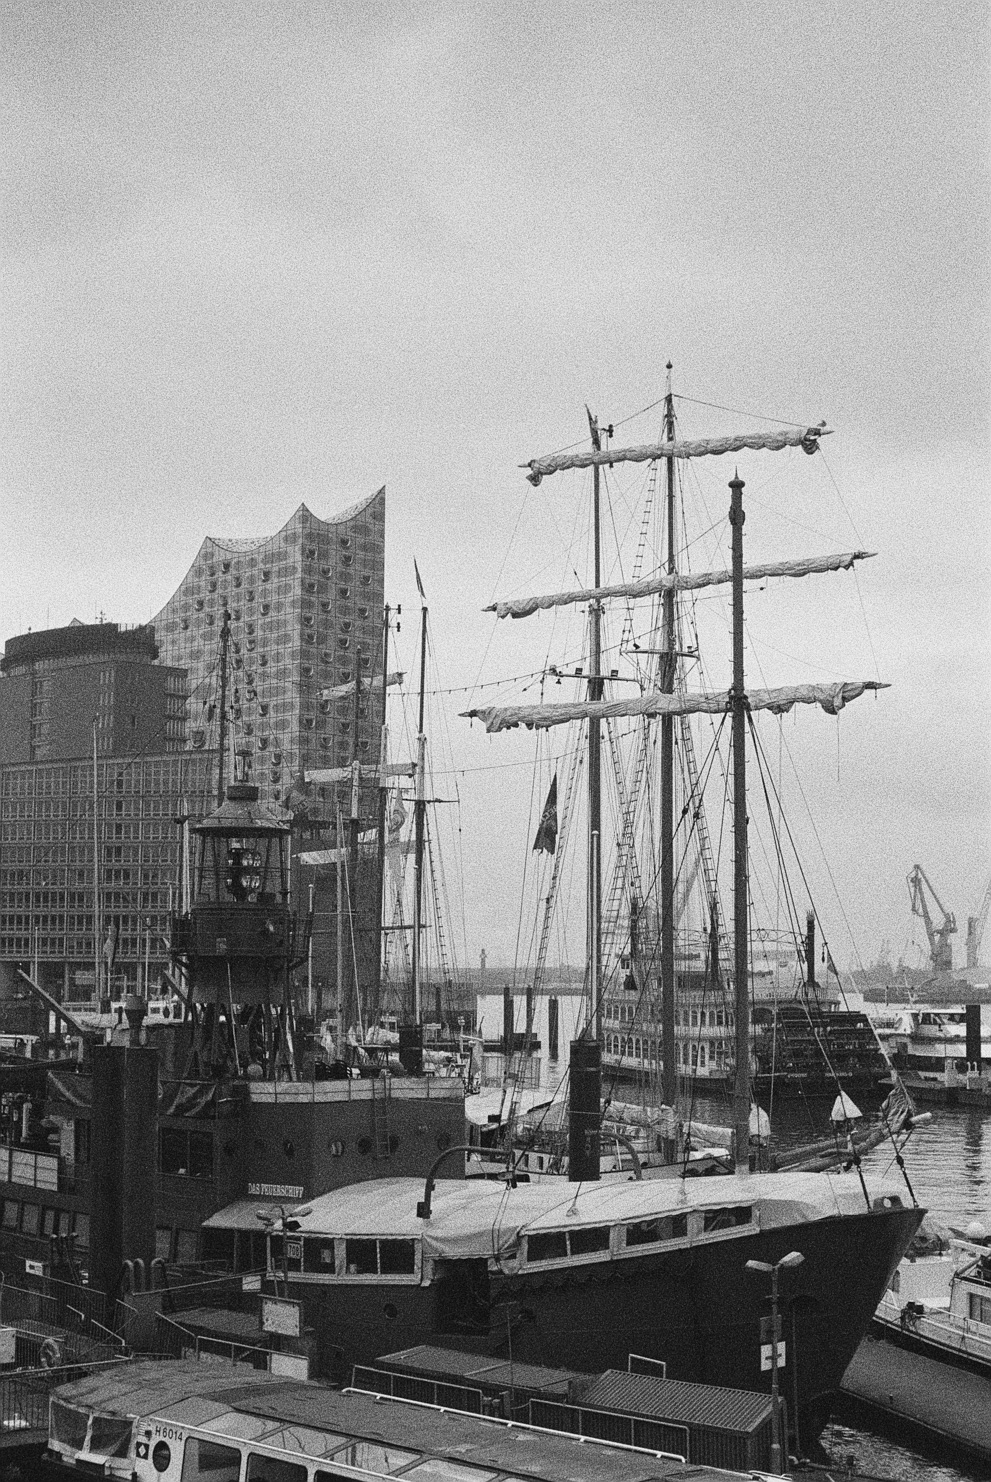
<point>286,1224</point>
<point>787,1263</point>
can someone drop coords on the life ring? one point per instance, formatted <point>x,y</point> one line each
<point>50,1356</point>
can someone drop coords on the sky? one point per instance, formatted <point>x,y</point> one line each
<point>260,254</point>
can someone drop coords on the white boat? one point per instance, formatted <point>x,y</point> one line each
<point>939,1302</point>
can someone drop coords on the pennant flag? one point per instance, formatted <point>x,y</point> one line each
<point>547,829</point>
<point>897,1109</point>
<point>110,945</point>
<point>419,583</point>
<point>830,964</point>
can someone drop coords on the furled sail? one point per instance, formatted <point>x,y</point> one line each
<point>832,698</point>
<point>680,582</point>
<point>339,691</point>
<point>368,773</point>
<point>367,845</point>
<point>771,442</point>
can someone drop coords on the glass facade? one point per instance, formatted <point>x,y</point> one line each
<point>305,610</point>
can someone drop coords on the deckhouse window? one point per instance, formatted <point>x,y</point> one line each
<point>553,1246</point>
<point>557,1245</point>
<point>210,1462</point>
<point>651,1232</point>
<point>979,1308</point>
<point>273,1469</point>
<point>726,1219</point>
<point>380,1257</point>
<point>586,1242</point>
<point>318,1254</point>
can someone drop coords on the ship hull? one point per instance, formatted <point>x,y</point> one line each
<point>695,1308</point>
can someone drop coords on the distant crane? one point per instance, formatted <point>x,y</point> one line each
<point>940,950</point>
<point>975,929</point>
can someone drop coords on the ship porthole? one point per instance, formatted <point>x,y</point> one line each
<point>391,1311</point>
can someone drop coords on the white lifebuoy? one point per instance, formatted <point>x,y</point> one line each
<point>51,1354</point>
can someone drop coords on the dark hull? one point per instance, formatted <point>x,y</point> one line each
<point>696,1308</point>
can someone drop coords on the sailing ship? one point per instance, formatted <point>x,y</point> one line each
<point>657,1266</point>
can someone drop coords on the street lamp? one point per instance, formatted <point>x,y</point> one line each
<point>286,1224</point>
<point>787,1263</point>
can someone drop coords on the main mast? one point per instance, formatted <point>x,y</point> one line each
<point>594,928</point>
<point>419,817</point>
<point>668,664</point>
<point>741,969</point>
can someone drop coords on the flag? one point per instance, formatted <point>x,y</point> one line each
<point>419,583</point>
<point>110,946</point>
<point>831,965</point>
<point>897,1109</point>
<point>547,829</point>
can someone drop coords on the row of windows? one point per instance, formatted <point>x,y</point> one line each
<point>625,1013</point>
<point>692,1052</point>
<point>43,1220</point>
<point>166,774</point>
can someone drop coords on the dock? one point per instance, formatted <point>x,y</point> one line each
<point>942,1407</point>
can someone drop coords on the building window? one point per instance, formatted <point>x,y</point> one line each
<point>186,1151</point>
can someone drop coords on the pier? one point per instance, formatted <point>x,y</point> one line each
<point>938,1405</point>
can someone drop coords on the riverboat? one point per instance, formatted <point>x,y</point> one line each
<point>190,1422</point>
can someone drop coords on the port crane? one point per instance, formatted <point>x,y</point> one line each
<point>940,948</point>
<point>975,928</point>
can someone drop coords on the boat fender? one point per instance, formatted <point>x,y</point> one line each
<point>50,1356</point>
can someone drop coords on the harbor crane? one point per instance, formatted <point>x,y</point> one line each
<point>975,928</point>
<point>940,948</point>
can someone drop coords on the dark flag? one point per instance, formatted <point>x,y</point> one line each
<point>897,1109</point>
<point>547,830</point>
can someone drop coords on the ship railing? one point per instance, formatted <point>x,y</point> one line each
<point>62,1304</point>
<point>25,1396</point>
<point>417,1387</point>
<point>182,1342</point>
<point>606,1425</point>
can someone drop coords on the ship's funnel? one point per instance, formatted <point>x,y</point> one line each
<point>585,1115</point>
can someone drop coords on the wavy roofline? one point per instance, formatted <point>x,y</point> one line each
<point>253,543</point>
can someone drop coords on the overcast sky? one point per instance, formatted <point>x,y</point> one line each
<point>257,254</point>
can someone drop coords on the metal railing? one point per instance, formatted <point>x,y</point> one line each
<point>25,1396</point>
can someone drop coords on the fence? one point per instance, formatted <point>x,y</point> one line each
<point>25,1396</point>
<point>628,1430</point>
<point>61,1304</point>
<point>413,1387</point>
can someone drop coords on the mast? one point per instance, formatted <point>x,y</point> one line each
<point>594,928</point>
<point>669,1085</point>
<point>419,815</point>
<point>375,1006</point>
<point>97,945</point>
<point>353,1004</point>
<point>225,637</point>
<point>741,974</point>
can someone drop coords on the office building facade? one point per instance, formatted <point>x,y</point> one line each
<point>94,773</point>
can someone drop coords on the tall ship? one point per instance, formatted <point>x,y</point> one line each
<point>675,1268</point>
